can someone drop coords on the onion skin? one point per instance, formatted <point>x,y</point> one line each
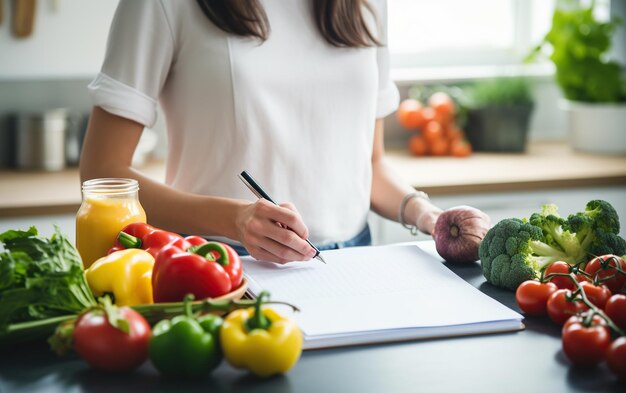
<point>458,233</point>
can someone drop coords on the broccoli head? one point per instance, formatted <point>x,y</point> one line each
<point>517,250</point>
<point>606,243</point>
<point>556,232</point>
<point>597,229</point>
<point>514,251</point>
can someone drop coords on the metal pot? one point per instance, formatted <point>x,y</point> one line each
<point>40,140</point>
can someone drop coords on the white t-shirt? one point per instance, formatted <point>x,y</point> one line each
<point>295,112</point>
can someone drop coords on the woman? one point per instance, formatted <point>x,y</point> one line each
<point>294,92</point>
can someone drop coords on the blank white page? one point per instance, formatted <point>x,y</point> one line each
<point>369,289</point>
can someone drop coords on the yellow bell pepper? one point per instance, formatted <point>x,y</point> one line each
<point>260,340</point>
<point>127,274</point>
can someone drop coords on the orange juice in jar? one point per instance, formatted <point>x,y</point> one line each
<point>108,206</point>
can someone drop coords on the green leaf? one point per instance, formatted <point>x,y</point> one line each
<point>578,46</point>
<point>40,278</point>
<point>14,234</point>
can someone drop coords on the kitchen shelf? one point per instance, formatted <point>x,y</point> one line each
<point>544,165</point>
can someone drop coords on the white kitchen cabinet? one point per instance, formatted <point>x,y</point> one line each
<point>506,205</point>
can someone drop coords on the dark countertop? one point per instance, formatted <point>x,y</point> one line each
<point>526,361</point>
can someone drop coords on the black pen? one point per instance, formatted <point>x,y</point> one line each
<point>258,191</point>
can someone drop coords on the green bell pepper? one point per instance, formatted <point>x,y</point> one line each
<point>186,346</point>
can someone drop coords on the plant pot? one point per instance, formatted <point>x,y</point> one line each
<point>597,128</point>
<point>498,128</point>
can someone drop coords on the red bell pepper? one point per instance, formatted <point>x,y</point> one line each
<point>144,236</point>
<point>194,265</point>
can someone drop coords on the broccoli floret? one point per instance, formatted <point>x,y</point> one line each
<point>556,232</point>
<point>607,243</point>
<point>604,216</point>
<point>514,251</point>
<point>597,229</point>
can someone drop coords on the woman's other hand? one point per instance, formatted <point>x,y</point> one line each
<point>427,219</point>
<point>423,214</point>
<point>273,233</point>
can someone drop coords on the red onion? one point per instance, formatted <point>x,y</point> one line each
<point>458,233</point>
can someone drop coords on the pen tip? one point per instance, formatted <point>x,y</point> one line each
<point>320,258</point>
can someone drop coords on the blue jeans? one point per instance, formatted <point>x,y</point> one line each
<point>364,238</point>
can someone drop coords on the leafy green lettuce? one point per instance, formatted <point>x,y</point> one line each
<point>40,278</point>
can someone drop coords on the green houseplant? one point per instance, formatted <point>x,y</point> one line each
<point>593,85</point>
<point>498,114</point>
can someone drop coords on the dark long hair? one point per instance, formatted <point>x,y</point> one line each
<point>341,22</point>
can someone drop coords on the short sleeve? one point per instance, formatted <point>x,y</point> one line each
<point>139,53</point>
<point>388,95</point>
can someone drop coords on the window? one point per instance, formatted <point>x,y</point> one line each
<point>435,33</point>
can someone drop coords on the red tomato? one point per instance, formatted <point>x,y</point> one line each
<point>532,296</point>
<point>460,148</point>
<point>442,104</point>
<point>603,267</point>
<point>579,318</point>
<point>417,145</point>
<point>581,277</point>
<point>107,348</point>
<point>585,346</point>
<point>432,131</point>
<point>560,308</point>
<point>615,308</point>
<point>410,114</point>
<point>616,357</point>
<point>439,147</point>
<point>597,294</point>
<point>562,282</point>
<point>428,114</point>
<point>454,134</point>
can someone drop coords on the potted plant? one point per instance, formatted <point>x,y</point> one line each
<point>498,114</point>
<point>594,86</point>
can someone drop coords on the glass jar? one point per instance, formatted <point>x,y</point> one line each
<point>108,205</point>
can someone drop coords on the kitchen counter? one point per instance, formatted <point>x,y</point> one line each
<point>544,165</point>
<point>530,360</point>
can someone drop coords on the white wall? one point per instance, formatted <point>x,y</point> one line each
<point>68,40</point>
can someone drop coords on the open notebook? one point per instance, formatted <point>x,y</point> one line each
<point>378,294</point>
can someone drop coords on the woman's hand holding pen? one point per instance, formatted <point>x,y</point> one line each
<point>273,233</point>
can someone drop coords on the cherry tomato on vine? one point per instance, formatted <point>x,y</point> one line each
<point>532,296</point>
<point>585,345</point>
<point>581,276</point>
<point>108,348</point>
<point>560,307</point>
<point>615,309</point>
<point>603,267</point>
<point>597,294</point>
<point>616,357</point>
<point>580,318</point>
<point>560,267</point>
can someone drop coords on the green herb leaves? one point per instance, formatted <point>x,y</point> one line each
<point>40,278</point>
<point>579,44</point>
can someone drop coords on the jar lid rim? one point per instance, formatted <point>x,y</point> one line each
<point>111,184</point>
